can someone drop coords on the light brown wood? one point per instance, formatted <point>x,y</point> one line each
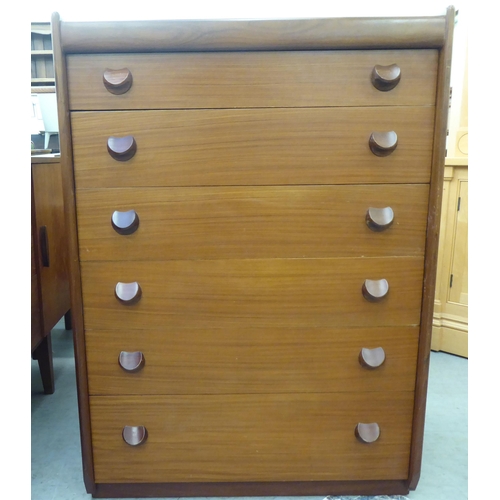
<point>451,322</point>
<point>253,147</point>
<point>245,222</point>
<point>250,360</point>
<point>278,437</point>
<point>260,79</point>
<point>268,292</point>
<point>279,147</point>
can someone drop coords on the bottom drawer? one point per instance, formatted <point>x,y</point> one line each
<point>256,437</point>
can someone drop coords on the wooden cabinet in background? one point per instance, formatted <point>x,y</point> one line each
<point>451,324</point>
<point>50,299</point>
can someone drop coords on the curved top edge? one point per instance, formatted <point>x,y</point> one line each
<point>240,35</point>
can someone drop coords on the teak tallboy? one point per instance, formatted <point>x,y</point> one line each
<point>253,210</point>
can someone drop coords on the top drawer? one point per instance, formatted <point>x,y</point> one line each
<point>251,79</point>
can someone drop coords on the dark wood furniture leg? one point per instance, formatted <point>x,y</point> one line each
<point>43,354</point>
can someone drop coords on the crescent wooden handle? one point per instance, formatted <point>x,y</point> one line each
<point>367,433</point>
<point>379,219</point>
<point>128,293</point>
<point>131,361</point>
<point>122,148</point>
<point>117,81</point>
<point>383,143</point>
<point>125,223</point>
<point>375,290</point>
<point>134,435</point>
<point>385,78</point>
<point>371,358</point>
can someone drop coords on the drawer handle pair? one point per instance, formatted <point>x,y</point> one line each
<point>134,361</point>
<point>131,293</point>
<point>377,219</point>
<point>383,78</point>
<point>380,144</point>
<point>135,435</point>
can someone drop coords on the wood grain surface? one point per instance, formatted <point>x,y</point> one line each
<point>50,212</point>
<point>248,222</point>
<point>251,360</point>
<point>278,437</point>
<point>259,79</point>
<point>253,147</point>
<point>254,34</point>
<point>265,292</point>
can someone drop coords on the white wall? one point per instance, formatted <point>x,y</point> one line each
<point>93,10</point>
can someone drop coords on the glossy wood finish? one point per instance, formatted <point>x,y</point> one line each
<point>131,362</point>
<point>249,222</point>
<point>380,219</point>
<point>372,358</point>
<point>375,290</point>
<point>213,38</point>
<point>367,433</point>
<point>383,143</point>
<point>260,79</point>
<point>253,147</point>
<point>386,78</point>
<point>122,148</point>
<point>50,215</point>
<point>128,293</point>
<point>281,34</point>
<point>269,292</point>
<point>117,81</point>
<point>245,359</point>
<point>125,222</point>
<point>257,431</point>
<point>135,435</point>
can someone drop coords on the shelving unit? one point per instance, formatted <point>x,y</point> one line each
<point>42,62</point>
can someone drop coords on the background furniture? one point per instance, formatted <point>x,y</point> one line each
<point>451,326</point>
<point>42,63</point>
<point>253,242</point>
<point>49,261</point>
<point>450,330</point>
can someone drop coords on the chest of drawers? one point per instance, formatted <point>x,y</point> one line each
<point>253,210</point>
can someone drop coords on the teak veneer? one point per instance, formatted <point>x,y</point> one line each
<point>253,213</point>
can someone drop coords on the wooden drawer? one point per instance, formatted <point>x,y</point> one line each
<point>258,79</point>
<point>251,360</point>
<point>300,293</point>
<point>253,147</point>
<point>255,437</point>
<point>246,222</point>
